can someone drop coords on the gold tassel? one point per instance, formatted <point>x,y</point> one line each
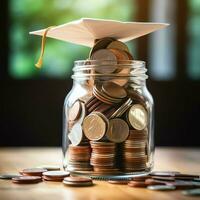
<point>39,62</point>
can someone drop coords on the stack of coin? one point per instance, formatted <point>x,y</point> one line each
<point>103,156</point>
<point>133,151</point>
<point>79,158</point>
<point>109,92</point>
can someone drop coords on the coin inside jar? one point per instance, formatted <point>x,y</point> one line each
<point>94,126</point>
<point>114,90</point>
<point>101,44</point>
<point>137,117</point>
<point>118,45</point>
<point>74,111</point>
<point>76,134</point>
<point>118,130</point>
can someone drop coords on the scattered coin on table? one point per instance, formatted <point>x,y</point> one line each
<point>33,171</point>
<point>161,187</point>
<point>9,176</point>
<point>120,182</point>
<point>78,181</point>
<point>27,179</point>
<point>191,192</point>
<point>49,167</point>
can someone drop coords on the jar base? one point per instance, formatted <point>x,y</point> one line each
<point>119,175</point>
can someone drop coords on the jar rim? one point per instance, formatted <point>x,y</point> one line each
<point>133,63</point>
<point>133,69</point>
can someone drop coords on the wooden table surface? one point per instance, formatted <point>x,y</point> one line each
<point>13,159</point>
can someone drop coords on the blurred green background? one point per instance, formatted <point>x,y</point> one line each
<point>28,15</point>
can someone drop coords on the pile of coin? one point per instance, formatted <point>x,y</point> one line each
<point>165,181</point>
<point>108,119</point>
<point>79,158</point>
<point>103,156</point>
<point>133,151</point>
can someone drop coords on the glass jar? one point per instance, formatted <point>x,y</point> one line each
<point>108,120</point>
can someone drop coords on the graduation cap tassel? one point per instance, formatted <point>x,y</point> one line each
<point>39,62</point>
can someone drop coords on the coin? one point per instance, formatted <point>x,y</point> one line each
<point>137,184</point>
<point>9,176</point>
<point>78,181</point>
<point>120,55</point>
<point>114,90</point>
<point>74,111</point>
<point>101,44</point>
<point>137,117</point>
<point>118,130</point>
<point>46,178</point>
<point>122,109</point>
<point>192,192</point>
<point>164,173</point>
<point>33,171</point>
<point>50,167</point>
<point>94,126</point>
<point>122,79</point>
<point>106,61</point>
<point>56,174</point>
<point>150,181</point>
<point>76,134</point>
<point>120,182</point>
<point>141,178</point>
<point>26,179</point>
<point>161,187</point>
<point>118,45</point>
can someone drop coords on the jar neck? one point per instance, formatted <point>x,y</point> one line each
<point>127,71</point>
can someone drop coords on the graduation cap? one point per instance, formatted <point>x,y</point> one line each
<point>86,30</point>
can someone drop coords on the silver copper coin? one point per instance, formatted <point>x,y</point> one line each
<point>161,187</point>
<point>118,130</point>
<point>74,111</point>
<point>9,176</point>
<point>76,134</point>
<point>122,109</point>
<point>101,44</point>
<point>191,192</point>
<point>118,45</point>
<point>103,56</point>
<point>120,55</point>
<point>27,179</point>
<point>137,117</point>
<point>113,90</point>
<point>94,126</point>
<point>57,174</point>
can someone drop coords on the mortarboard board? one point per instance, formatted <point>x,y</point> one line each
<point>85,30</point>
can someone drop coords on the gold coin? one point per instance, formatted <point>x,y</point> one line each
<point>113,90</point>
<point>76,134</point>
<point>118,130</point>
<point>101,44</point>
<point>94,127</point>
<point>118,45</point>
<point>137,117</point>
